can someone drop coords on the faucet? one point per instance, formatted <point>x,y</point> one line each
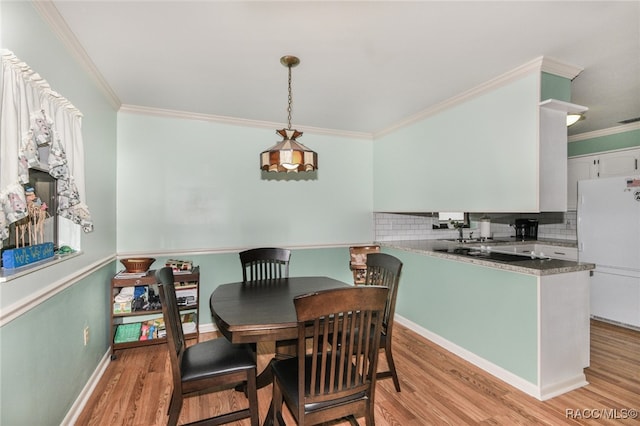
<point>461,233</point>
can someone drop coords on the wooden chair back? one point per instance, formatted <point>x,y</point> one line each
<point>338,338</point>
<point>172,323</point>
<point>265,263</point>
<point>384,270</point>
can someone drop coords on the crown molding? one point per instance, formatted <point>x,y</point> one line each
<point>559,68</point>
<point>159,112</point>
<point>539,64</point>
<point>534,65</point>
<point>51,15</point>
<point>605,132</point>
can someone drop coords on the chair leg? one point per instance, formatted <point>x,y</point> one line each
<point>175,406</point>
<point>276,405</point>
<point>252,396</point>
<point>392,365</point>
<point>353,422</point>
<point>369,419</point>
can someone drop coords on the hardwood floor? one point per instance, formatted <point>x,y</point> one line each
<point>438,388</point>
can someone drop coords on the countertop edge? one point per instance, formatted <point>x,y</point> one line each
<point>550,267</point>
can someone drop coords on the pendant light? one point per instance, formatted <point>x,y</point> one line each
<point>289,155</point>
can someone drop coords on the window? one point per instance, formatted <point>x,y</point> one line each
<point>44,190</point>
<point>41,165</point>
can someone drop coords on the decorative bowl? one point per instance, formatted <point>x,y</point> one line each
<point>137,264</point>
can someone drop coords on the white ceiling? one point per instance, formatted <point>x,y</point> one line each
<point>365,65</point>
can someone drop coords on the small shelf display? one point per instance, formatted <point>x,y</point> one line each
<point>136,313</point>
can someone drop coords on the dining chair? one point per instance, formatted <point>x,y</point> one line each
<point>333,374</point>
<point>358,260</point>
<point>265,263</point>
<point>384,269</point>
<point>208,366</point>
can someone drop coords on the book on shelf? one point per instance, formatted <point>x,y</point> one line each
<point>137,331</point>
<point>128,333</point>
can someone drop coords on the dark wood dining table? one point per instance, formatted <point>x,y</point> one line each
<point>263,311</point>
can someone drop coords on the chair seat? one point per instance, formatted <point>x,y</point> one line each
<point>286,371</point>
<point>227,357</point>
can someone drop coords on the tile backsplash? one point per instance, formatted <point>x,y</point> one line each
<point>404,226</point>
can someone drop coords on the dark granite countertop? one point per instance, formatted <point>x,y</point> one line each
<point>530,266</point>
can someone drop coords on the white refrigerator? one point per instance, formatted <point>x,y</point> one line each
<point>609,236</point>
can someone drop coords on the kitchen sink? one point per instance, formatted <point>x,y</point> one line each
<point>488,255</point>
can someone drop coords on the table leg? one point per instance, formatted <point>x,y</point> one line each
<point>284,349</point>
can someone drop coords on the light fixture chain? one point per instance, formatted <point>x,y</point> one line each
<point>290,99</point>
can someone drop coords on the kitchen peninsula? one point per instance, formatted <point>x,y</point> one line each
<point>524,321</point>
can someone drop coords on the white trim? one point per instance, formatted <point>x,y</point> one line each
<point>236,121</point>
<point>605,132</point>
<point>562,106</point>
<point>562,69</point>
<point>24,305</point>
<point>207,328</point>
<point>81,401</point>
<point>51,15</point>
<point>502,80</point>
<point>205,251</point>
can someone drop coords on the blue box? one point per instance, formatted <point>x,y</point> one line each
<point>17,257</point>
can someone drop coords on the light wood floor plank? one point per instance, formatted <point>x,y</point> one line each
<point>438,388</point>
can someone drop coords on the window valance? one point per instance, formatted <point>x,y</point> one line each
<point>34,116</point>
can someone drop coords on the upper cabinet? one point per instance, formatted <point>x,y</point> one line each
<point>618,163</point>
<point>604,164</point>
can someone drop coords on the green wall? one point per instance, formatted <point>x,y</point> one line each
<point>44,363</point>
<point>489,312</point>
<point>464,158</point>
<point>191,185</point>
<point>555,87</point>
<point>629,139</point>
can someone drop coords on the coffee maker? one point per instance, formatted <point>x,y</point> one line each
<point>526,229</point>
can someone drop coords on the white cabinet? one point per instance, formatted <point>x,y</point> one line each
<point>543,250</point>
<point>578,168</point>
<point>557,252</point>
<point>618,163</point>
<point>605,164</point>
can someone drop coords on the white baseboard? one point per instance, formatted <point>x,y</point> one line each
<point>207,328</point>
<point>87,391</point>
<point>565,386</point>
<point>491,368</point>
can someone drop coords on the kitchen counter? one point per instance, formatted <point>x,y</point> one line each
<point>524,321</point>
<point>535,266</point>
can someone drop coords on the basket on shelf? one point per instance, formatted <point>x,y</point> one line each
<point>137,264</point>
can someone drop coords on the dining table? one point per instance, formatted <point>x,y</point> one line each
<point>263,311</point>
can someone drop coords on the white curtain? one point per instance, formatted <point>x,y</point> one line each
<point>33,115</point>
